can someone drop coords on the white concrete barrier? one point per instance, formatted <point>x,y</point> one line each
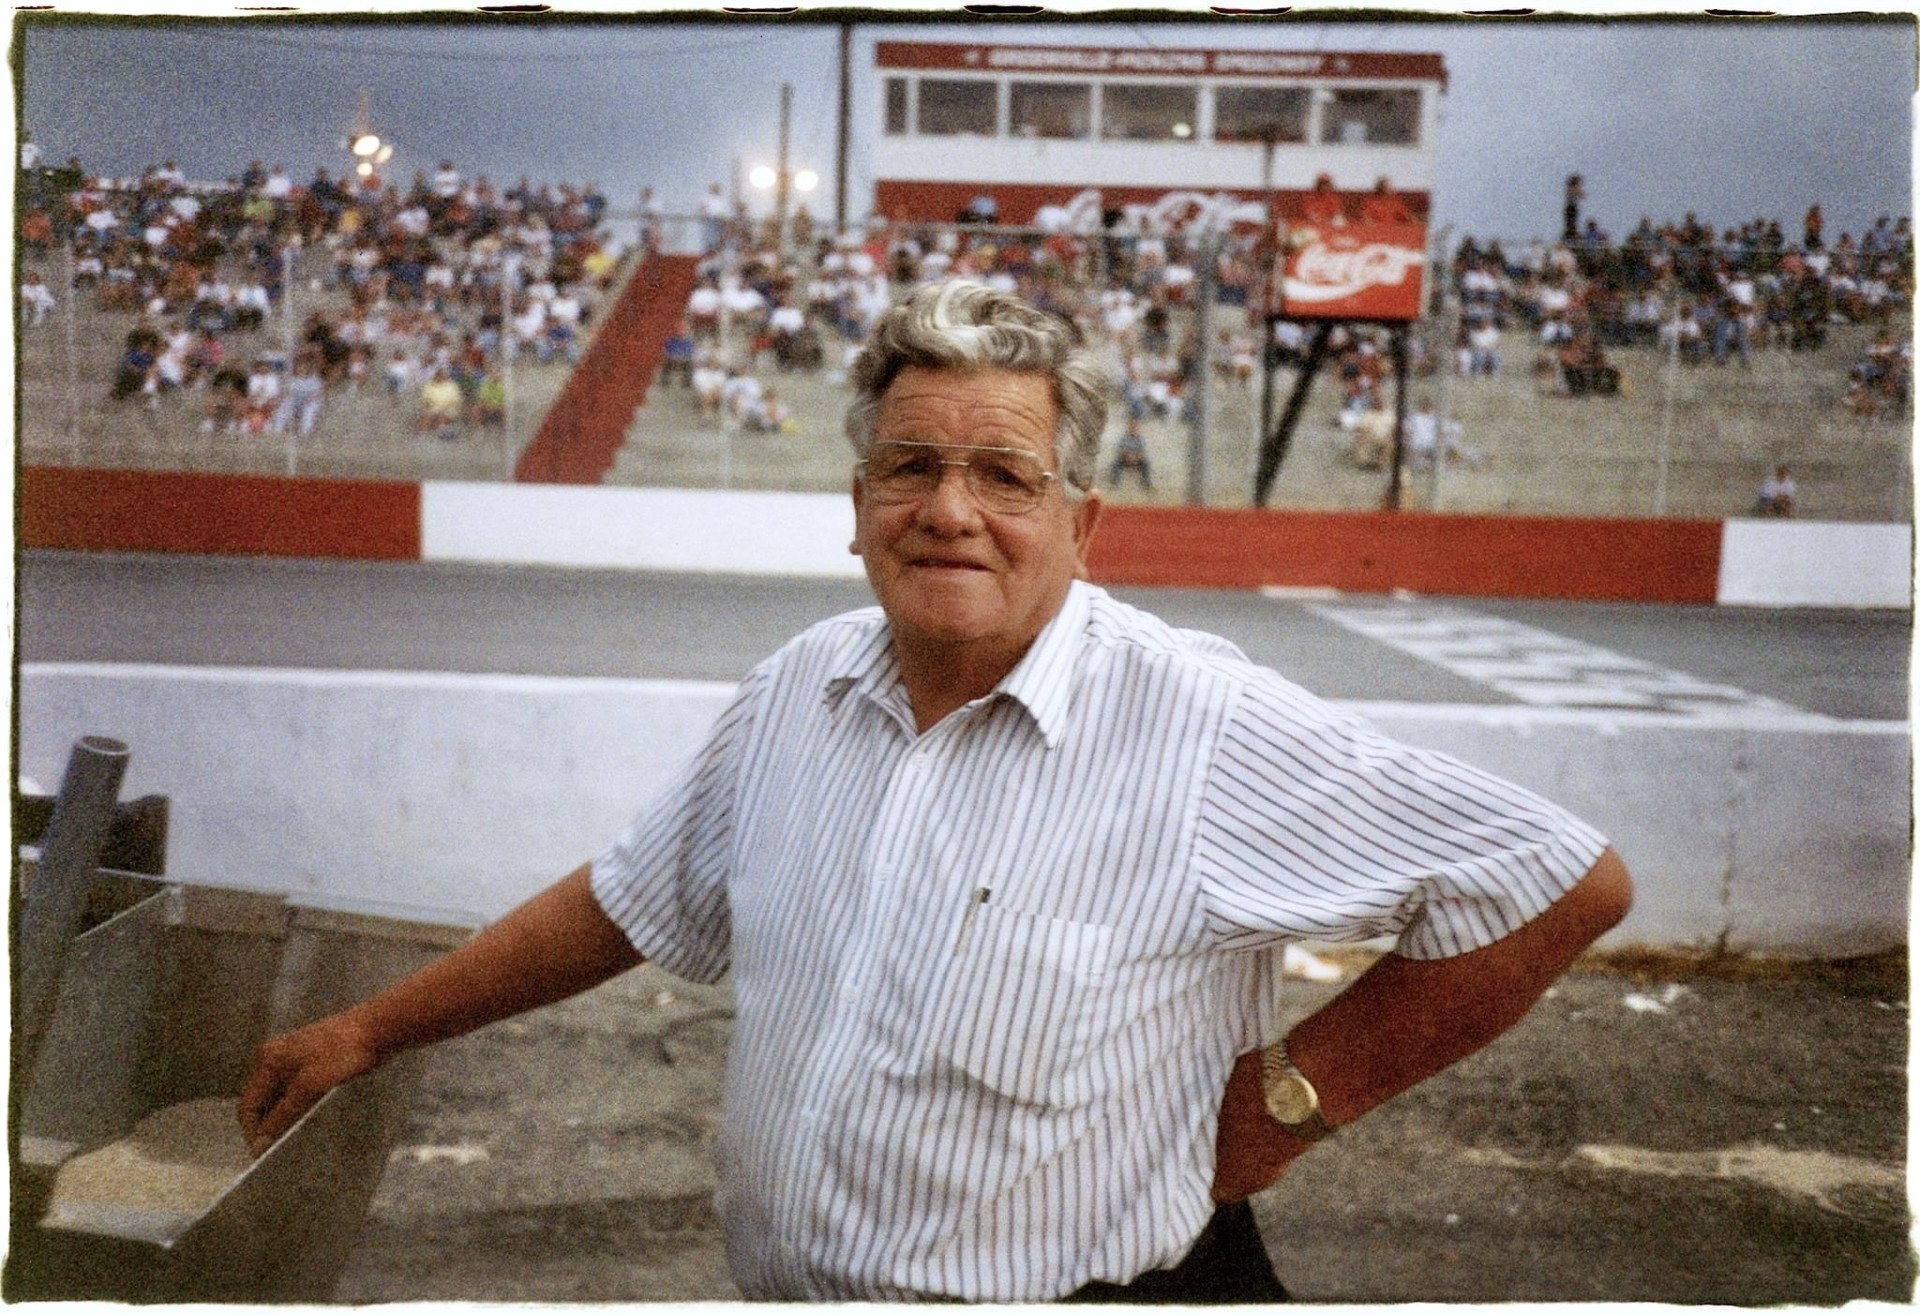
<point>468,793</point>
<point>457,793</point>
<point>1770,563</point>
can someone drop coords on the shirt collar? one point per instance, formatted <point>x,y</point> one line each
<point>1041,681</point>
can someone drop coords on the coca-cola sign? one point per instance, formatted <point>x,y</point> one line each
<point>1354,272</point>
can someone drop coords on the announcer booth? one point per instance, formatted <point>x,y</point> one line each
<point>1330,155</point>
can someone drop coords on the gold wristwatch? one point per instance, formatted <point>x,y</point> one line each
<point>1291,1099</point>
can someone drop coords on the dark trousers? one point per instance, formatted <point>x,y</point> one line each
<point>1227,1266</point>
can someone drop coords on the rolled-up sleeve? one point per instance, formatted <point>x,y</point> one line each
<point>1315,826</point>
<point>663,880</point>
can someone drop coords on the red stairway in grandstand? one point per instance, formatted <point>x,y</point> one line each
<point>588,421</point>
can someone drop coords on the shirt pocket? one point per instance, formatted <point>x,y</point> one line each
<point>1020,1009</point>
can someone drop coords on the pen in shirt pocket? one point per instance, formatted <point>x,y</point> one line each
<point>966,922</point>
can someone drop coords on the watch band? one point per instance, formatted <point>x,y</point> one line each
<point>1287,1090</point>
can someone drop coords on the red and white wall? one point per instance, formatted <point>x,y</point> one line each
<point>1746,562</point>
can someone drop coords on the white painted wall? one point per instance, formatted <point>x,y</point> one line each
<point>1770,563</point>
<point>468,793</point>
<point>749,532</point>
<point>457,793</point>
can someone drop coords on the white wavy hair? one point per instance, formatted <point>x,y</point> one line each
<point>963,325</point>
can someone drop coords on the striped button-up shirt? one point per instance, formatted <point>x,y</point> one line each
<point>990,979</point>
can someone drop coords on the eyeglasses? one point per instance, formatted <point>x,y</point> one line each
<point>1008,480</point>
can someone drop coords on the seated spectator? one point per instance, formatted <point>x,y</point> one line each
<point>489,405</point>
<point>745,304</point>
<point>136,362</point>
<point>403,372</point>
<point>709,381</point>
<point>739,395</point>
<point>785,322</point>
<point>1234,358</point>
<point>703,311</point>
<point>1429,437</point>
<point>1685,335</point>
<point>1777,494</point>
<point>1322,207</point>
<point>36,299</point>
<point>677,359</point>
<point>769,415</point>
<point>252,304</point>
<point>440,405</point>
<point>529,329</point>
<point>226,401</point>
<point>565,314</point>
<point>1372,431</point>
<point>300,407</point>
<point>1585,371</point>
<point>263,397</point>
<point>1384,206</point>
<point>1131,455</point>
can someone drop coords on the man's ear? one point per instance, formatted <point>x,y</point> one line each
<point>858,546</point>
<point>1086,518</point>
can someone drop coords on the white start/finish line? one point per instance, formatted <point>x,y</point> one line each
<point>1545,670</point>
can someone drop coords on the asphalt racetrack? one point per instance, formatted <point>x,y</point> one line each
<point>418,616</point>
<point>1654,1131</point>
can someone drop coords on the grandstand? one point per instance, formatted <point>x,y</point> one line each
<point>1542,454</point>
<point>1682,440</point>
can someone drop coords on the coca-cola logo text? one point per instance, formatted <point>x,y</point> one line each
<point>1322,272</point>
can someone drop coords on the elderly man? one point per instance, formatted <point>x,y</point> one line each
<point>1000,869</point>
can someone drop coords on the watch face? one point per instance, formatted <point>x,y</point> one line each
<point>1291,1099</point>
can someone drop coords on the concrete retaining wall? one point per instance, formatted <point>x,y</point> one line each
<point>468,793</point>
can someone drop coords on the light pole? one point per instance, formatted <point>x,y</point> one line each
<point>784,180</point>
<point>368,150</point>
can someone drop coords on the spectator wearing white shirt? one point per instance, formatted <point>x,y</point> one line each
<point>37,301</point>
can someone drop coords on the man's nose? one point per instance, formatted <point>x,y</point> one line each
<point>951,504</point>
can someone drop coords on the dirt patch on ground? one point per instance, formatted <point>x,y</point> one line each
<point>1656,1130</point>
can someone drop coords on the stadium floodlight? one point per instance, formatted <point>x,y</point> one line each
<point>806,180</point>
<point>763,177</point>
<point>366,145</point>
<point>364,168</point>
<point>384,154</point>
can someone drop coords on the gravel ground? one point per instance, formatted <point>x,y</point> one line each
<point>1653,1131</point>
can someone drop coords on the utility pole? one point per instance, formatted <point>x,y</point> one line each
<point>1200,385</point>
<point>784,179</point>
<point>841,138</point>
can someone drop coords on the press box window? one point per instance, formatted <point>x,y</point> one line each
<point>896,107</point>
<point>1249,114</point>
<point>1355,117</point>
<point>954,108</point>
<point>1147,112</point>
<point>1051,109</point>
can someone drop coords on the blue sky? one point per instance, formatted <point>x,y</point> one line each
<point>1731,118</point>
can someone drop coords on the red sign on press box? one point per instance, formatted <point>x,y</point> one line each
<point>1354,272</point>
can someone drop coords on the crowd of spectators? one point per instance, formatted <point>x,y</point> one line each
<point>761,307</point>
<point>428,290</point>
<point>428,286</point>
<point>1707,295</point>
